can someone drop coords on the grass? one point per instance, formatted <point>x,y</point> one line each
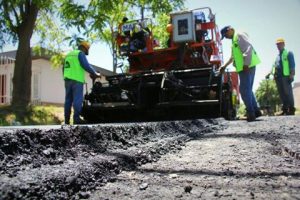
<point>35,115</point>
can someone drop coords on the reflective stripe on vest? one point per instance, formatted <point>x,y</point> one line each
<point>238,55</point>
<point>72,67</point>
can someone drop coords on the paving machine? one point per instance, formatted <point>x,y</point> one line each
<point>181,81</point>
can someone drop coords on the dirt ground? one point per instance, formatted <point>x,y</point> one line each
<point>197,159</point>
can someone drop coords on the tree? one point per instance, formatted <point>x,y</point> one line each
<point>267,95</point>
<point>159,30</point>
<point>18,22</point>
<point>114,17</point>
<point>121,8</point>
<point>156,6</point>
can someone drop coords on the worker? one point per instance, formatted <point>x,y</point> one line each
<point>244,59</point>
<point>138,40</point>
<point>170,32</point>
<point>74,68</point>
<point>123,37</point>
<point>283,71</point>
<point>124,20</point>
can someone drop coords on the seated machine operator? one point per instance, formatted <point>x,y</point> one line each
<point>138,40</point>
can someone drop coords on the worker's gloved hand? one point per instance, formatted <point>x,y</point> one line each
<point>222,69</point>
<point>291,79</point>
<point>267,76</point>
<point>96,75</point>
<point>246,68</point>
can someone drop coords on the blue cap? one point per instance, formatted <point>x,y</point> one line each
<point>224,31</point>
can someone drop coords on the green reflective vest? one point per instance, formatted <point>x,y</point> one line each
<point>72,67</point>
<point>238,55</point>
<point>285,63</point>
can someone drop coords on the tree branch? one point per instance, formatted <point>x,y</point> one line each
<point>22,12</point>
<point>7,17</point>
<point>16,16</point>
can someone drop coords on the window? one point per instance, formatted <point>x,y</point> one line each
<point>3,97</point>
<point>35,98</point>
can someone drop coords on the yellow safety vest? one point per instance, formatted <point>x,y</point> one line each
<point>72,67</point>
<point>285,63</point>
<point>238,55</point>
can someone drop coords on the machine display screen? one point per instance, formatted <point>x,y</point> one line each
<point>183,27</point>
<point>184,31</point>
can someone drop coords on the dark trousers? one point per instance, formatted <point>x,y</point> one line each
<point>246,86</point>
<point>74,96</point>
<point>285,90</point>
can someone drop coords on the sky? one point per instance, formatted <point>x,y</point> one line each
<point>263,20</point>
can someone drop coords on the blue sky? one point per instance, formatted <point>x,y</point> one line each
<point>263,20</point>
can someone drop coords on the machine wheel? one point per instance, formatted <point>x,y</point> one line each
<point>228,109</point>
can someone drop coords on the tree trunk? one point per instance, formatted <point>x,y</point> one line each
<point>21,95</point>
<point>115,61</point>
<point>22,73</point>
<point>114,49</point>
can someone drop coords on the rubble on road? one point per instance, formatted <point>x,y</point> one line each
<point>69,162</point>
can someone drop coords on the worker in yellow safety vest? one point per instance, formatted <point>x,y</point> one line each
<point>74,68</point>
<point>244,59</point>
<point>283,71</point>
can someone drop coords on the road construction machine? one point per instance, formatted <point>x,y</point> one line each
<point>181,81</point>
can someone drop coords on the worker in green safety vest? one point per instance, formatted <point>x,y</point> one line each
<point>74,68</point>
<point>244,59</point>
<point>283,72</point>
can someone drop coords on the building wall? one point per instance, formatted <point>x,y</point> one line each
<point>296,91</point>
<point>47,83</point>
<point>51,82</point>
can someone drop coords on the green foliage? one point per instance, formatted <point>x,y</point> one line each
<point>267,94</point>
<point>98,20</point>
<point>157,6</point>
<point>73,15</point>
<point>159,30</point>
<point>105,24</point>
<point>51,38</point>
<point>242,110</point>
<point>17,14</point>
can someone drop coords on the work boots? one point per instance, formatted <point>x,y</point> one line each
<point>251,117</point>
<point>80,121</point>
<point>258,113</point>
<point>291,111</point>
<point>67,121</point>
<point>283,112</point>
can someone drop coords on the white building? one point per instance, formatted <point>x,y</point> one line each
<point>47,85</point>
<point>296,91</point>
